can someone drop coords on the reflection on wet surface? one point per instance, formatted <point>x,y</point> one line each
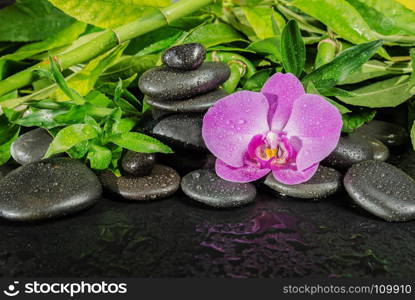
<point>275,237</point>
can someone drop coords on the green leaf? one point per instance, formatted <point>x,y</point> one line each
<point>149,40</point>
<point>79,151</point>
<point>269,47</point>
<point>84,81</point>
<point>109,14</point>
<point>5,143</point>
<point>64,37</point>
<point>352,121</point>
<point>99,157</point>
<point>374,69</point>
<point>387,17</point>
<point>387,93</point>
<point>69,137</point>
<point>44,118</point>
<point>257,81</point>
<point>139,142</point>
<point>128,66</point>
<point>98,99</point>
<point>61,82</point>
<point>412,78</point>
<point>311,89</point>
<point>214,34</point>
<point>260,18</point>
<point>341,17</point>
<point>31,20</point>
<point>343,65</point>
<point>413,135</point>
<point>292,49</point>
<point>123,126</point>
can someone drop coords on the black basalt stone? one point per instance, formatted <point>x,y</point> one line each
<point>138,164</point>
<point>380,151</point>
<point>199,103</point>
<point>47,189</point>
<point>206,187</point>
<point>31,146</point>
<point>181,130</point>
<point>185,57</point>
<point>350,150</point>
<point>168,84</point>
<point>324,183</point>
<point>162,182</point>
<point>388,133</point>
<point>382,190</point>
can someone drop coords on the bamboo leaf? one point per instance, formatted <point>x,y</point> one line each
<point>138,142</point>
<point>213,35</point>
<point>84,81</point>
<point>341,17</point>
<point>261,20</point>
<point>354,120</point>
<point>343,65</point>
<point>374,69</point>
<point>387,16</point>
<point>71,136</point>
<point>387,93</point>
<point>99,157</point>
<point>108,14</point>
<point>59,39</point>
<point>31,20</point>
<point>293,52</point>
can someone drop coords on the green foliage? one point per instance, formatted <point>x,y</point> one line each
<point>31,20</point>
<point>108,14</point>
<point>293,49</point>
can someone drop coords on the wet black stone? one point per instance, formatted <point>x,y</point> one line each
<point>168,84</point>
<point>324,183</point>
<point>4,170</point>
<point>138,164</point>
<point>382,190</point>
<point>184,161</point>
<point>388,133</point>
<point>380,150</point>
<point>206,187</point>
<point>351,149</point>
<point>181,130</point>
<point>199,103</point>
<point>162,182</point>
<point>47,189</point>
<point>31,146</point>
<point>185,57</point>
<point>158,114</point>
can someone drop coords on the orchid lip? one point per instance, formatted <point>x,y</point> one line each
<point>271,150</point>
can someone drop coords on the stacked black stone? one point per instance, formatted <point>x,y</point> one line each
<point>181,92</point>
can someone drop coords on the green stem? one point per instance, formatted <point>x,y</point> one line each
<point>106,41</point>
<point>326,52</point>
<point>238,70</point>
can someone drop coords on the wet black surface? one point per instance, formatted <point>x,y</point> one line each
<point>275,237</point>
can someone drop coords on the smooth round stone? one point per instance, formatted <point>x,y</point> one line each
<point>196,104</point>
<point>324,183</point>
<point>4,170</point>
<point>206,187</point>
<point>382,190</point>
<point>46,189</point>
<point>380,151</point>
<point>184,162</point>
<point>350,150</point>
<point>181,130</point>
<point>185,57</point>
<point>162,182</point>
<point>31,146</point>
<point>138,164</point>
<point>168,84</point>
<point>158,114</point>
<point>388,133</point>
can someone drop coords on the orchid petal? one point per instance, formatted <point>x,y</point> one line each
<point>230,124</point>
<point>318,125</point>
<point>281,91</point>
<point>247,173</point>
<point>294,176</point>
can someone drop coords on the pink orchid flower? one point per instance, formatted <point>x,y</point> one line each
<point>281,130</point>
